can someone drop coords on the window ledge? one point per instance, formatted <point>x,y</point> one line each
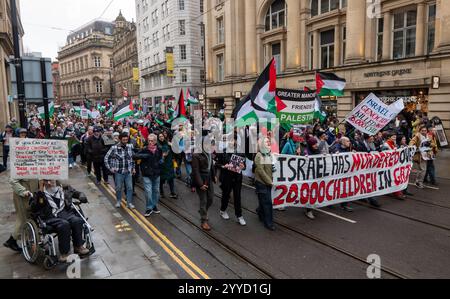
<point>327,15</point>
<point>274,32</point>
<point>218,46</point>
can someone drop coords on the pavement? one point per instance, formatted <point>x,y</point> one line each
<point>120,251</point>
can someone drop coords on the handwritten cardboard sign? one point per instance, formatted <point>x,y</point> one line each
<point>39,159</point>
<point>372,114</point>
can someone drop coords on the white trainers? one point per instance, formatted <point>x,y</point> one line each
<point>118,205</point>
<point>70,166</point>
<point>131,207</point>
<point>224,215</point>
<point>241,221</point>
<point>310,215</point>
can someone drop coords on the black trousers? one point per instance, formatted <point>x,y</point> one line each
<point>99,168</point>
<point>206,200</point>
<point>67,225</point>
<point>232,182</point>
<point>5,155</point>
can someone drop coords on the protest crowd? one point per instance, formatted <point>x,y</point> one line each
<point>137,146</point>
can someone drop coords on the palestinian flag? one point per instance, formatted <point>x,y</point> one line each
<point>51,110</point>
<point>261,103</point>
<point>263,94</point>
<point>191,99</point>
<point>110,113</point>
<point>77,110</point>
<point>318,113</point>
<point>180,110</point>
<point>328,84</point>
<point>124,111</point>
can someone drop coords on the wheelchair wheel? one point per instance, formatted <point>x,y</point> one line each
<point>30,242</point>
<point>50,263</point>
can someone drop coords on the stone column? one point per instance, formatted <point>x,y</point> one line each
<point>387,34</point>
<point>293,35</point>
<point>442,26</point>
<point>420,31</point>
<point>316,51</point>
<point>337,44</point>
<point>259,49</point>
<point>356,21</point>
<point>304,40</point>
<point>230,41</point>
<point>250,38</point>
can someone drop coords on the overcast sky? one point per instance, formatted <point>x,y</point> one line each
<point>40,18</point>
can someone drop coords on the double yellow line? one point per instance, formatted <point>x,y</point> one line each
<point>176,254</point>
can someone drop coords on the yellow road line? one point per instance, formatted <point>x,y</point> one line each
<point>159,238</point>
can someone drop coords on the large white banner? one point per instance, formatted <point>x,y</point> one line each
<point>372,114</point>
<point>320,181</point>
<point>39,159</point>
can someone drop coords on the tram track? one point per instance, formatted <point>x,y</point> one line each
<point>402,215</point>
<point>319,240</point>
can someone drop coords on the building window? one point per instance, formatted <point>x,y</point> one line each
<point>311,51</point>
<point>276,54</point>
<point>202,6</point>
<point>182,26</point>
<point>324,6</point>
<point>99,87</point>
<point>155,39</point>
<point>380,28</point>
<point>220,68</point>
<point>111,62</point>
<point>327,49</point>
<point>97,61</point>
<point>431,28</point>
<point>181,4</point>
<point>404,39</point>
<point>166,33</point>
<point>276,15</point>
<point>202,53</point>
<point>183,55</point>
<point>344,44</point>
<point>220,31</point>
<point>183,75</point>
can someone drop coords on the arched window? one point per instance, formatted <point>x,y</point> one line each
<point>276,15</point>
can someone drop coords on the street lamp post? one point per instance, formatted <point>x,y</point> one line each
<point>203,30</point>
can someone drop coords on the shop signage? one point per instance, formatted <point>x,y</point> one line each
<point>392,73</point>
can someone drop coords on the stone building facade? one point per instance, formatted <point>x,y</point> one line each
<point>56,82</point>
<point>86,63</point>
<point>169,25</point>
<point>125,57</point>
<point>8,109</point>
<point>394,48</point>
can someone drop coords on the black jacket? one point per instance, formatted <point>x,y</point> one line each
<point>41,208</point>
<point>150,163</point>
<point>96,149</point>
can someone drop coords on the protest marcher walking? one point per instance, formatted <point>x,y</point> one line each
<point>96,151</point>
<point>151,160</point>
<point>430,174</point>
<point>23,190</point>
<point>4,138</point>
<point>167,171</point>
<point>203,177</point>
<point>423,146</point>
<point>231,180</point>
<point>263,175</point>
<point>119,160</point>
<point>84,140</point>
<point>344,146</point>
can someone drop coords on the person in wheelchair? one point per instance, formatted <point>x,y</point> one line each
<point>53,205</point>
